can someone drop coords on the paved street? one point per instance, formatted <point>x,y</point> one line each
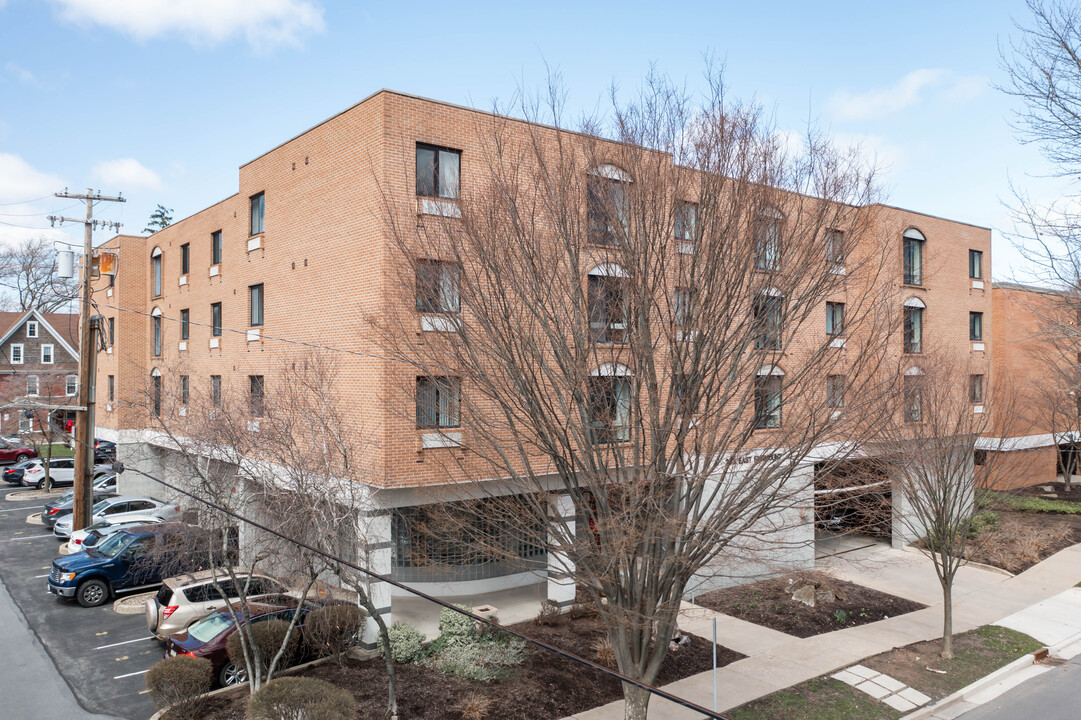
<point>1054,695</point>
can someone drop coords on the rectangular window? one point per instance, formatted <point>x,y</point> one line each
<point>975,388</point>
<point>32,329</point>
<point>112,330</point>
<point>256,395</point>
<point>112,388</point>
<point>438,402</point>
<point>437,286</point>
<point>71,385</point>
<point>768,318</point>
<point>185,324</point>
<point>33,385</point>
<point>46,354</point>
<point>683,394</point>
<point>767,401</point>
<point>215,319</point>
<point>610,408</point>
<point>155,394</point>
<point>683,307</point>
<point>975,264</point>
<point>975,326</point>
<point>439,172</point>
<point>185,258</point>
<point>608,309</point>
<point>607,211</point>
<point>835,247</point>
<point>835,318</point>
<point>215,390</point>
<point>156,267</point>
<point>258,210</point>
<point>835,391</point>
<point>156,321</point>
<point>913,398</point>
<point>215,248</point>
<point>255,304</point>
<point>184,390</point>
<point>913,330</point>
<point>767,244</point>
<point>686,221</point>
<point>17,354</point>
<point>913,256</point>
<point>25,424</point>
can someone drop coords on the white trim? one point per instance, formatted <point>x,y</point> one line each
<point>1026,442</point>
<point>685,248</point>
<point>42,323</point>
<point>441,208</point>
<point>253,334</point>
<point>255,243</point>
<point>836,269</point>
<point>915,302</point>
<point>913,234</point>
<point>771,292</point>
<point>439,323</point>
<point>837,342</point>
<point>37,386</point>
<point>156,252</point>
<point>67,381</point>
<point>22,354</point>
<point>109,292</point>
<point>215,269</point>
<point>183,280</point>
<point>977,284</point>
<point>608,270</point>
<point>977,409</point>
<point>612,370</point>
<point>214,342</point>
<point>913,371</point>
<point>183,345</point>
<point>182,412</point>
<point>36,327</point>
<point>434,440</point>
<point>611,172</point>
<point>770,370</point>
<point>977,347</point>
<point>52,354</point>
<point>156,312</point>
<point>155,373</point>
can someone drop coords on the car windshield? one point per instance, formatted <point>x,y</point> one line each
<point>113,546</point>
<point>24,464</point>
<point>67,496</point>
<point>209,627</point>
<point>98,525</point>
<point>100,506</point>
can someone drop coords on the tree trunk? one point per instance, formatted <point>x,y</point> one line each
<point>947,620</point>
<point>636,702</point>
<point>384,640</point>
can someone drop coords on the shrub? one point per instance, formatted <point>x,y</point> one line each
<point>406,642</point>
<point>456,628</point>
<point>603,652</point>
<point>331,630</point>
<point>179,683</point>
<point>480,662</point>
<point>549,614</point>
<point>981,522</point>
<point>475,707</point>
<point>582,610</point>
<point>269,635</point>
<point>301,698</point>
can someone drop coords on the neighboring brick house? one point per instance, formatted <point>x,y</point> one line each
<point>301,252</point>
<point>39,361</point>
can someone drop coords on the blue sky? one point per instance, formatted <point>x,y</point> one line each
<point>164,99</point>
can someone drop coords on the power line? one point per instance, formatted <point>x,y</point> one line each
<point>26,202</point>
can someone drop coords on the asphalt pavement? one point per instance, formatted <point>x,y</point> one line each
<point>1053,695</point>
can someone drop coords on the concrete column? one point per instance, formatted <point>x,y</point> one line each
<point>561,531</point>
<point>377,534</point>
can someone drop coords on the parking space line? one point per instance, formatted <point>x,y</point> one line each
<point>36,577</point>
<point>23,509</point>
<point>29,537</point>
<point>141,672</point>
<point>126,642</point>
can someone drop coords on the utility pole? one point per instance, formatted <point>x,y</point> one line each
<point>84,419</point>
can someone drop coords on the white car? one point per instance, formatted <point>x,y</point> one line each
<point>121,508</point>
<point>104,528</point>
<point>61,471</point>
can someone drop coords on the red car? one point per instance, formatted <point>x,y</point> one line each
<point>15,453</point>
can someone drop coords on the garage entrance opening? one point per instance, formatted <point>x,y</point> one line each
<point>853,506</point>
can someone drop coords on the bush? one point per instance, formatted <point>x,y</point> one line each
<point>406,643</point>
<point>549,614</point>
<point>455,628</point>
<point>582,610</point>
<point>480,662</point>
<point>179,683</point>
<point>981,522</point>
<point>603,652</point>
<point>301,698</point>
<point>475,707</point>
<point>269,635</point>
<point>331,630</point>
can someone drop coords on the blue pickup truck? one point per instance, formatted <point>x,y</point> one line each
<point>131,559</point>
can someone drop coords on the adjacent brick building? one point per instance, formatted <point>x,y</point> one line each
<point>39,364</point>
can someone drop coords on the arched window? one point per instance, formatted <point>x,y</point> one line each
<point>155,265</point>
<point>912,243</point>
<point>608,303</point>
<point>607,211</point>
<point>155,392</point>
<point>768,388</point>
<point>610,388</point>
<point>913,394</point>
<point>155,321</point>
<point>913,331</point>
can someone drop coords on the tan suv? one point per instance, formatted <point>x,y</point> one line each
<point>186,598</point>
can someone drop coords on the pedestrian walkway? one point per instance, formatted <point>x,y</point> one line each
<point>882,687</point>
<point>981,597</point>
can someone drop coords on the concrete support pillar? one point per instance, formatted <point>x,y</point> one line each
<point>561,532</point>
<point>377,533</point>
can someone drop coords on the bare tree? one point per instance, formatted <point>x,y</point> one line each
<point>627,334</point>
<point>28,275</point>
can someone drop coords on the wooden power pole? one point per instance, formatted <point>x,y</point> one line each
<point>84,419</point>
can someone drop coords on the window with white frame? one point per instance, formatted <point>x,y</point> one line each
<point>33,385</point>
<point>768,387</point>
<point>46,354</point>
<point>71,385</point>
<point>913,395</point>
<point>17,354</point>
<point>32,329</point>
<point>609,395</point>
<point>25,424</point>
<point>608,306</point>
<point>155,263</point>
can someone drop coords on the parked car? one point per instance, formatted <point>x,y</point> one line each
<point>96,532</point>
<point>104,451</point>
<point>184,599</point>
<point>15,452</point>
<point>104,487</point>
<point>135,558</point>
<point>61,471</point>
<point>208,637</point>
<point>14,474</point>
<point>121,508</point>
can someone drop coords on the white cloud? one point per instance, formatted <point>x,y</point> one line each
<point>127,174</point>
<point>19,181</point>
<point>263,23</point>
<point>20,73</point>
<point>906,93</point>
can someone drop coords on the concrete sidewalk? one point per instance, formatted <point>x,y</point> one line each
<point>777,661</point>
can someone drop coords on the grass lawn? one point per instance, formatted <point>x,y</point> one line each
<point>59,450</point>
<point>1033,504</point>
<point>976,653</point>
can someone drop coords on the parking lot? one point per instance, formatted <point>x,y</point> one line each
<point>101,655</point>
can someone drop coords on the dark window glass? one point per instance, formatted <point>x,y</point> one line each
<point>438,172</point>
<point>608,309</point>
<point>155,391</point>
<point>437,286</point>
<point>438,402</point>
<point>913,330</point>
<point>258,208</point>
<point>184,389</point>
<point>185,324</point>
<point>975,388</point>
<point>156,266</point>
<point>975,264</point>
<point>255,297</point>
<point>767,244</point>
<point>913,398</point>
<point>185,258</point>
<point>835,391</point>
<point>686,221</point>
<point>112,387</point>
<point>683,307</point>
<point>215,248</point>
<point>835,318</point>
<point>607,211</point>
<point>256,396</point>
<point>684,391</point>
<point>913,256</point>
<point>768,320</point>
<point>975,326</point>
<point>112,330</point>
<point>156,321</point>
<point>767,401</point>
<point>215,319</point>
<point>610,409</point>
<point>835,247</point>
<point>215,390</point>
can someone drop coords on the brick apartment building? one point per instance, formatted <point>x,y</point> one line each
<point>301,252</point>
<point>40,365</point>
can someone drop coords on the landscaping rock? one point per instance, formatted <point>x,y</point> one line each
<point>824,596</point>
<point>805,594</point>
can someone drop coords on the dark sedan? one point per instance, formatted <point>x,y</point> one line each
<point>14,474</point>
<point>63,505</point>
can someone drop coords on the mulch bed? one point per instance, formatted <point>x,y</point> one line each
<point>1019,540</point>
<point>544,687</point>
<point>1058,489</point>
<point>770,603</point>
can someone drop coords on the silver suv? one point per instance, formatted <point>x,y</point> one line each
<point>184,599</point>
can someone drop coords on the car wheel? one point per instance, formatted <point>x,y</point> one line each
<point>21,457</point>
<point>232,674</point>
<point>41,484</point>
<point>92,593</point>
